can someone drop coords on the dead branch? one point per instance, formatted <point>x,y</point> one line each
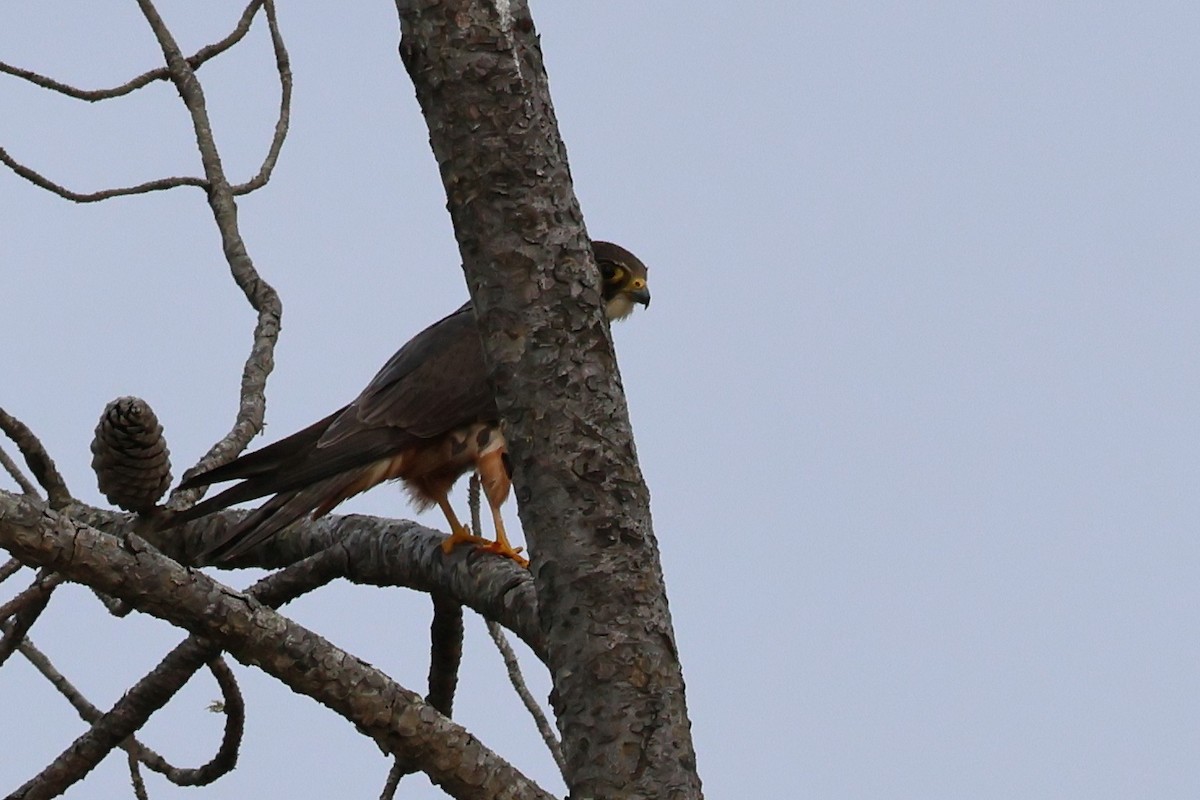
<point>94,95</point>
<point>381,552</point>
<point>26,608</point>
<point>10,568</point>
<point>154,690</point>
<point>135,778</point>
<point>37,179</point>
<point>259,293</point>
<point>221,763</point>
<point>37,459</point>
<point>284,68</point>
<point>513,666</point>
<point>17,475</point>
<point>397,719</point>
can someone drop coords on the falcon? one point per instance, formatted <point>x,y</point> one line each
<point>428,417</point>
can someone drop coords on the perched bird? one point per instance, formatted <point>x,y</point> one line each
<point>426,418</point>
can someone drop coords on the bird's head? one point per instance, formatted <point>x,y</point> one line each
<point>622,279</point>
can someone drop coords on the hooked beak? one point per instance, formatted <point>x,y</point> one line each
<point>641,296</point>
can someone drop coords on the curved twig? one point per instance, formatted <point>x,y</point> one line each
<point>225,759</point>
<point>259,293</point>
<point>43,182</point>
<point>37,459</point>
<point>94,95</point>
<point>284,68</point>
<point>222,763</point>
<point>154,690</point>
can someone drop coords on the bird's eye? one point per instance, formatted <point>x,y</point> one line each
<point>606,269</point>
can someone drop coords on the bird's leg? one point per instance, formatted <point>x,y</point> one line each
<point>458,533</point>
<point>502,546</point>
<point>494,477</point>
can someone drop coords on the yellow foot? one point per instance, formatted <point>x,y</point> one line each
<point>508,551</point>
<point>461,536</point>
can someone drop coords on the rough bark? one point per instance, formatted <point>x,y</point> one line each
<point>379,552</point>
<point>618,687</point>
<point>397,719</point>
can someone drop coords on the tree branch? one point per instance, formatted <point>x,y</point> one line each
<point>39,180</point>
<point>259,293</point>
<point>94,95</point>
<point>380,552</point>
<point>513,667</point>
<point>154,690</point>
<point>37,459</point>
<point>226,756</point>
<point>14,471</point>
<point>399,721</point>
<point>284,68</point>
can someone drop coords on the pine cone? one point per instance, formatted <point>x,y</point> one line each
<point>130,455</point>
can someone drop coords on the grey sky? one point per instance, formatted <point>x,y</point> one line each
<point>914,399</point>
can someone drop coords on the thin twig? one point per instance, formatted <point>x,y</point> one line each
<point>14,470</point>
<point>40,180</point>
<point>473,503</point>
<point>135,777</point>
<point>93,95</point>
<point>232,706</point>
<point>261,296</point>
<point>38,590</point>
<point>34,602</point>
<point>37,459</point>
<point>399,770</point>
<point>153,691</point>
<point>10,568</point>
<point>284,68</point>
<point>531,705</point>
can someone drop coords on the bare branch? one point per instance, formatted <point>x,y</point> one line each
<point>135,777</point>
<point>10,568</point>
<point>445,656</point>
<point>37,591</point>
<point>26,608</point>
<point>13,470</point>
<point>154,690</point>
<point>38,179</point>
<point>399,770</point>
<point>94,95</point>
<point>37,459</point>
<point>261,295</point>
<point>284,67</point>
<point>382,552</point>
<point>531,704</point>
<point>222,763</point>
<point>233,707</point>
<point>395,718</point>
